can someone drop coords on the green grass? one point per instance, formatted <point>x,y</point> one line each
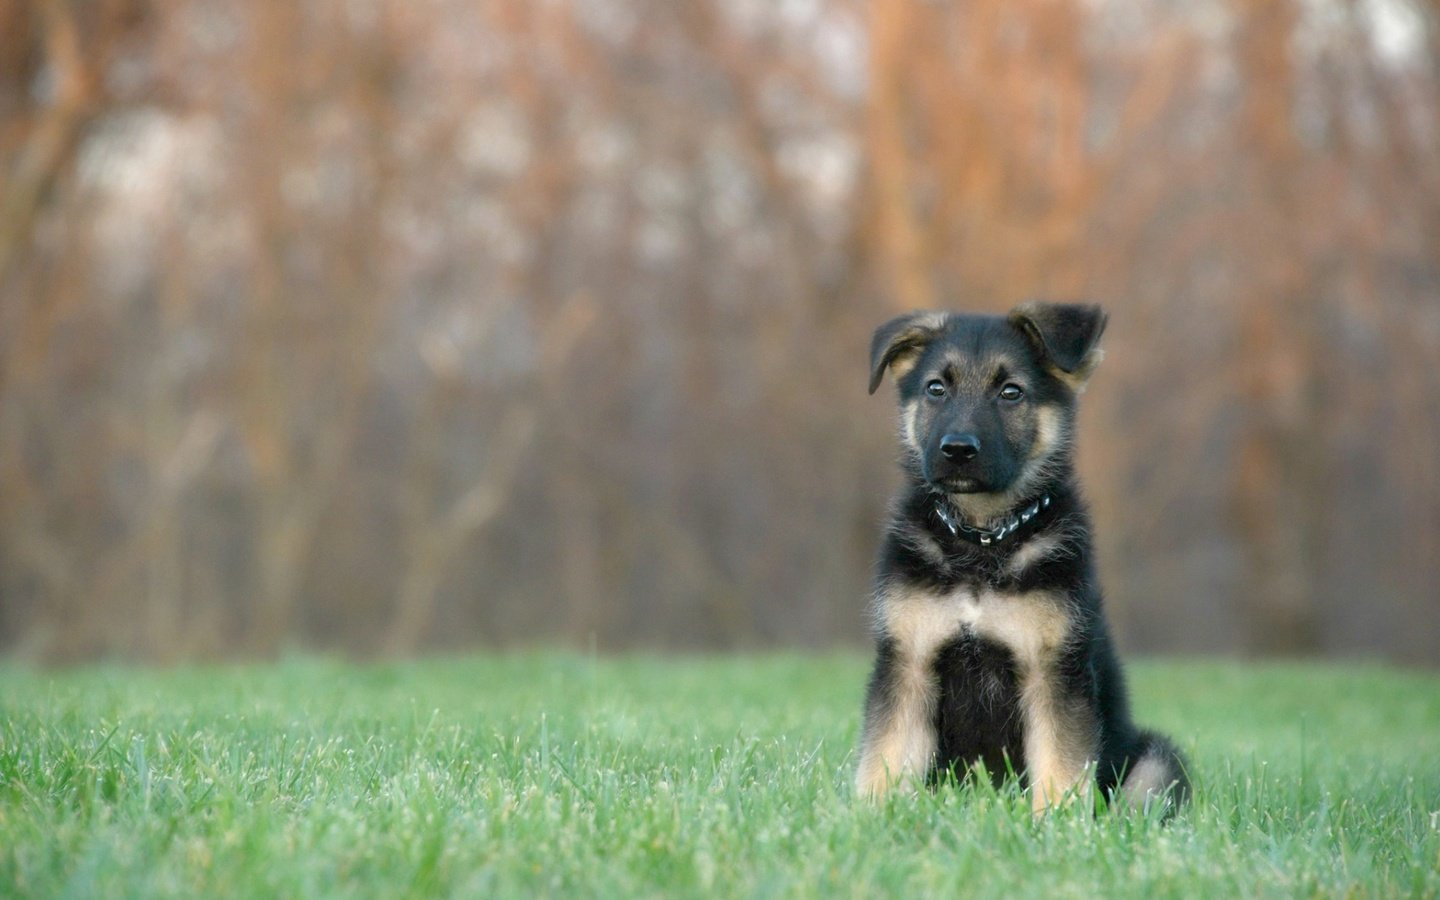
<point>559,775</point>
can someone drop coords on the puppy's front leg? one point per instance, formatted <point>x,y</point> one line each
<point>899,738</point>
<point>1062,737</point>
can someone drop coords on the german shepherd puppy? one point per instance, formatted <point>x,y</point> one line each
<point>990,643</point>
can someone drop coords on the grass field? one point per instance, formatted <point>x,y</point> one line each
<point>557,774</point>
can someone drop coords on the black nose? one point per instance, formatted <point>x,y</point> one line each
<point>960,447</point>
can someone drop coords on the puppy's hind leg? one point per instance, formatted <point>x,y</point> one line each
<point>1155,774</point>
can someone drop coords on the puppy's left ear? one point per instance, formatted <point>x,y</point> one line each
<point>1066,335</point>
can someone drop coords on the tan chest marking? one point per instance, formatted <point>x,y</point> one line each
<point>1060,738</point>
<point>1032,625</point>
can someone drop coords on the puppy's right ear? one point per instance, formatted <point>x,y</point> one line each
<point>899,341</point>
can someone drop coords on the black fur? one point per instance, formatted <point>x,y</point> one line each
<point>976,713</point>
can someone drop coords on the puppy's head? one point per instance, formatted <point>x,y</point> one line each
<point>987,402</point>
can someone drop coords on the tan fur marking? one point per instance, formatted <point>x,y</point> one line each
<point>920,323</point>
<point>1047,432</point>
<point>904,748</point>
<point>1033,551</point>
<point>907,425</point>
<point>1032,626</point>
<point>982,509</point>
<point>1147,781</point>
<point>1078,379</point>
<point>902,364</point>
<point>922,542</point>
<point>920,621</point>
<point>1061,744</point>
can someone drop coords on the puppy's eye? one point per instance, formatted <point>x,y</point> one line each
<point>1012,393</point>
<point>935,388</point>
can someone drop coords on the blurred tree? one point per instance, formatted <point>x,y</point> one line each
<point>383,326</point>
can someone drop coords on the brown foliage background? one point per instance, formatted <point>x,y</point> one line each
<point>385,326</point>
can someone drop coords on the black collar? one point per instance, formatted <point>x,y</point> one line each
<point>987,537</point>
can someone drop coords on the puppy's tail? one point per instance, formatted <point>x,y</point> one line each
<point>1156,773</point>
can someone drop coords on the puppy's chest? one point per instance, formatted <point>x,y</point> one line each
<point>958,565</point>
<point>1031,625</point>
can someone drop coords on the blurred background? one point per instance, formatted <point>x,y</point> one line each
<point>387,326</point>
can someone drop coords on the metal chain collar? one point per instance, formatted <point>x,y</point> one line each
<point>988,536</point>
